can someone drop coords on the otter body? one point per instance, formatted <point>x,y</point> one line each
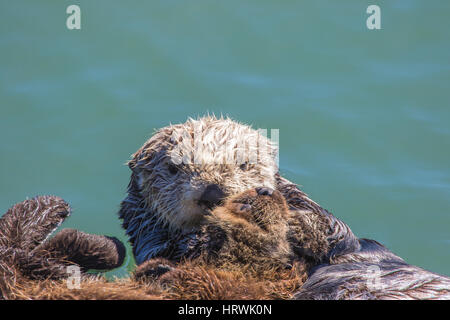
<point>184,171</point>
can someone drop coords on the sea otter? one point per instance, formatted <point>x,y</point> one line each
<point>186,170</point>
<point>181,173</point>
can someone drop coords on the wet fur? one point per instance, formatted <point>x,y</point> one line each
<point>347,267</point>
<point>243,254</point>
<point>248,231</point>
<point>334,273</point>
<point>160,213</point>
<point>327,261</point>
<point>211,274</point>
<point>28,253</point>
<point>317,238</point>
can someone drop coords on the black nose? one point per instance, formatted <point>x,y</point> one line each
<point>264,191</point>
<point>212,195</point>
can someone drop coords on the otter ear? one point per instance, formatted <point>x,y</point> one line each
<point>132,164</point>
<point>137,157</point>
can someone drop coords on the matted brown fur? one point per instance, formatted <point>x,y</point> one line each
<point>27,252</point>
<point>33,266</point>
<point>189,280</point>
<point>244,254</point>
<point>199,280</point>
<point>164,215</point>
<point>251,223</point>
<point>248,231</point>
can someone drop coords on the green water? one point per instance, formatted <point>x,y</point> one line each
<point>363,116</point>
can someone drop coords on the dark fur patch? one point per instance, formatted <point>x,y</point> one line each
<point>27,252</point>
<point>346,267</point>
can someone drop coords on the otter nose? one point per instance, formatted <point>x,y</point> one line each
<point>212,195</point>
<point>264,191</point>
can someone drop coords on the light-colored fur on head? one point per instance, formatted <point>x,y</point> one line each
<point>175,166</point>
<point>203,152</point>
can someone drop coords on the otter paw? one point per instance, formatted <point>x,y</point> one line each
<point>29,223</point>
<point>89,251</point>
<point>26,246</point>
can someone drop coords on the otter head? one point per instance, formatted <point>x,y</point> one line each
<point>183,171</point>
<point>263,207</point>
<point>249,230</point>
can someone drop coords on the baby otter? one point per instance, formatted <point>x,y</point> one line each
<point>249,231</point>
<point>243,253</point>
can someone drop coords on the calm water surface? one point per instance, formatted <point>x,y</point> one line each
<point>364,116</point>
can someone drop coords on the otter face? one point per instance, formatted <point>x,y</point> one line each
<point>253,227</point>
<point>186,170</point>
<point>263,207</point>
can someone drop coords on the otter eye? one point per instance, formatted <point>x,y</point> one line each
<point>244,166</point>
<point>172,169</point>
